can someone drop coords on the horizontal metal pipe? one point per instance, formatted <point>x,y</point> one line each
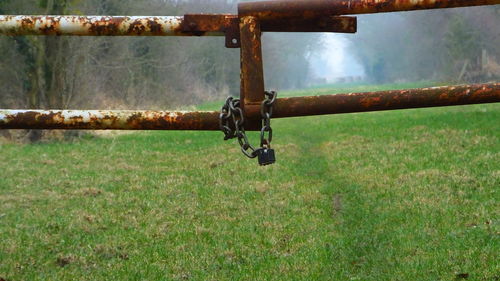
<point>322,24</point>
<point>97,26</point>
<point>387,100</point>
<point>272,10</point>
<point>189,25</point>
<point>284,107</point>
<point>108,120</point>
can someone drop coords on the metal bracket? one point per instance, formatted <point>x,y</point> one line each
<point>336,24</point>
<point>200,24</point>
<point>252,70</point>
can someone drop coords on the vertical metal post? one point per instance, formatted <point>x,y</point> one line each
<point>252,71</point>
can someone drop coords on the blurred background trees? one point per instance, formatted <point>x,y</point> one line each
<point>451,45</point>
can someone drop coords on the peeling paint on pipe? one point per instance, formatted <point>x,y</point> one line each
<point>108,120</point>
<point>96,26</point>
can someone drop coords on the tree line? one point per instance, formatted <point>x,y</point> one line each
<point>452,45</point>
<point>133,72</point>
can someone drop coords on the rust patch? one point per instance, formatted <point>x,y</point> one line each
<point>136,28</point>
<point>109,120</point>
<point>104,26</point>
<point>252,72</point>
<point>370,102</point>
<point>27,23</point>
<point>154,26</point>
<point>386,100</point>
<point>51,26</point>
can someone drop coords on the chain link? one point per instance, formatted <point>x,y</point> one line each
<point>225,115</point>
<point>231,111</point>
<point>266,112</point>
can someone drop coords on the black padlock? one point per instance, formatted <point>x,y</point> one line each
<point>266,156</point>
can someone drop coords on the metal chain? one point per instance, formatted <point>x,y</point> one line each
<point>231,111</point>
<point>225,115</point>
<point>266,112</point>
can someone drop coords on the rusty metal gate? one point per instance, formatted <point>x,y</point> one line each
<point>240,31</point>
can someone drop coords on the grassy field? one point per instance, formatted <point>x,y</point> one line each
<point>404,195</point>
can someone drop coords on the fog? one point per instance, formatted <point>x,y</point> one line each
<point>448,46</point>
<point>334,60</point>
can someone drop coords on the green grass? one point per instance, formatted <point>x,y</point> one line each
<point>403,195</point>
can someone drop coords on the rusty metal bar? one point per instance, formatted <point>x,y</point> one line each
<point>387,100</point>
<point>285,107</point>
<point>108,120</point>
<point>189,25</point>
<point>252,69</point>
<point>102,26</point>
<point>308,9</point>
<point>321,24</point>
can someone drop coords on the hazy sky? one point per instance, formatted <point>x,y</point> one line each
<point>334,60</point>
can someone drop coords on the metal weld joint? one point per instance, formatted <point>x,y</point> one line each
<point>199,24</point>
